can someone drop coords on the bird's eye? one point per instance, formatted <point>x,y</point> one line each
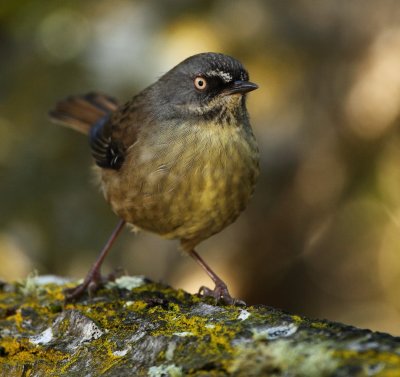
<point>200,83</point>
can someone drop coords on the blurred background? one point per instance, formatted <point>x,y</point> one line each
<point>321,236</point>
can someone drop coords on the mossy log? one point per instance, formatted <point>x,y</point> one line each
<point>134,327</point>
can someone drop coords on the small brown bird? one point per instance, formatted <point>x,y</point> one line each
<point>179,159</point>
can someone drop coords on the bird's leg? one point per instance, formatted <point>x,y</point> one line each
<point>220,292</point>
<point>93,278</point>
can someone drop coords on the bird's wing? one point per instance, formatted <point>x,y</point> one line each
<point>82,112</point>
<point>111,128</point>
<point>112,135</point>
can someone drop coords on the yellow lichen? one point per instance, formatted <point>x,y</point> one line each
<point>297,319</point>
<point>218,336</point>
<point>11,346</point>
<point>22,351</point>
<point>55,292</point>
<point>319,325</point>
<point>136,306</point>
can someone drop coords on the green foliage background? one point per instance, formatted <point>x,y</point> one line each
<point>322,234</point>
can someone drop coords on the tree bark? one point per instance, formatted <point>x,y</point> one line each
<point>134,327</point>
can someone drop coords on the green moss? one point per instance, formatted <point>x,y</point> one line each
<point>136,306</point>
<point>180,332</point>
<point>369,356</point>
<point>319,325</point>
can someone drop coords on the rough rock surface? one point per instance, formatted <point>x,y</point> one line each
<point>134,327</point>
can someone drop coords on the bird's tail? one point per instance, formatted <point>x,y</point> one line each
<point>82,112</point>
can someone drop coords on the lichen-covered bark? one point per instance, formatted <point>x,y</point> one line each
<point>138,328</point>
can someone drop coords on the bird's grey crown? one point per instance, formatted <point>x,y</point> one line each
<point>214,64</point>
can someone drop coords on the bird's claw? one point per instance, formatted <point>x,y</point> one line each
<point>93,282</point>
<point>220,294</point>
<point>71,294</point>
<point>90,285</point>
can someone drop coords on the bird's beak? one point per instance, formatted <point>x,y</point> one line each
<point>239,87</point>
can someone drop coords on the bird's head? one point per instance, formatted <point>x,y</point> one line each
<point>204,85</point>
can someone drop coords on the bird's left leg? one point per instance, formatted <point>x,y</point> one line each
<point>93,278</point>
<point>220,292</point>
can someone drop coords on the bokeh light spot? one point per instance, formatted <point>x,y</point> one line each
<point>373,102</point>
<point>62,35</point>
<point>15,263</point>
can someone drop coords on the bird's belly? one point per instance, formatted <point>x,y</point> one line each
<point>191,194</point>
<point>206,203</point>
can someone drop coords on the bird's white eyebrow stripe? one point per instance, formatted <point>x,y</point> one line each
<point>227,77</point>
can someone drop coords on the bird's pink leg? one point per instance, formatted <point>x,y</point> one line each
<point>93,278</point>
<point>220,292</point>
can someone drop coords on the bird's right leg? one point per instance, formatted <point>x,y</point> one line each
<point>93,278</point>
<point>220,293</point>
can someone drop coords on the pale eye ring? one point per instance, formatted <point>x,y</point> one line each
<point>200,83</point>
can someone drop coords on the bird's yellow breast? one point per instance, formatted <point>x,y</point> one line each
<point>189,182</point>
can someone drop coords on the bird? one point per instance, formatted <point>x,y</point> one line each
<point>178,159</point>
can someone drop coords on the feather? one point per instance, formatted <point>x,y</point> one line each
<point>81,113</point>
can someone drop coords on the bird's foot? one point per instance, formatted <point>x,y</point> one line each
<point>93,281</point>
<point>91,284</point>
<point>221,294</point>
